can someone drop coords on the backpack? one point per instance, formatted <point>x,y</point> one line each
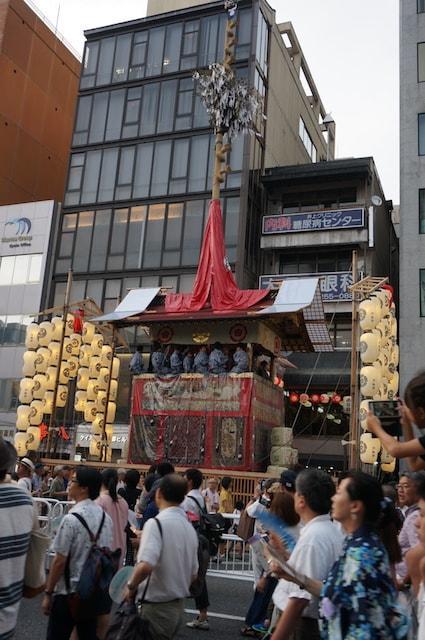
<point>245,528</point>
<point>211,526</point>
<point>97,573</point>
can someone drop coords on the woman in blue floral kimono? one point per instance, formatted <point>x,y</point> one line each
<point>359,598</point>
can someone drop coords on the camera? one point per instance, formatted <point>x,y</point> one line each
<point>388,413</point>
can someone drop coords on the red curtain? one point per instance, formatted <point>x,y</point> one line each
<point>214,286</point>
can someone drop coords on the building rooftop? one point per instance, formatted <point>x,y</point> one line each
<point>320,170</point>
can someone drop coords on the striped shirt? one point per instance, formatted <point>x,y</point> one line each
<point>16,523</point>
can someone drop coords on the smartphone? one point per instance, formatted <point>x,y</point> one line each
<point>388,413</point>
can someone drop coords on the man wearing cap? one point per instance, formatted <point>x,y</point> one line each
<point>17,519</point>
<point>287,480</point>
<point>57,488</point>
<point>25,470</point>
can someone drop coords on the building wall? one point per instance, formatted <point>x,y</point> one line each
<point>20,289</point>
<point>164,6</point>
<point>38,91</point>
<point>412,178</point>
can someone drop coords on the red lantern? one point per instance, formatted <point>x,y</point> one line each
<point>304,397</point>
<point>324,398</point>
<point>336,399</point>
<point>315,398</point>
<point>293,398</point>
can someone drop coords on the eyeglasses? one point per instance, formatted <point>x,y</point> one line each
<point>403,486</point>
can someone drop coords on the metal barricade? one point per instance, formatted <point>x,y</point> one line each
<point>233,559</point>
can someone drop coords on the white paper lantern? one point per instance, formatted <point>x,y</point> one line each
<point>383,389</point>
<point>57,329</point>
<point>36,413</point>
<point>62,395</point>
<point>73,364</point>
<point>94,367</point>
<point>394,327</point>
<point>370,381</point>
<point>103,378</point>
<point>83,378</point>
<point>54,348</point>
<point>20,442</point>
<point>115,368</point>
<point>31,336</point>
<point>395,355</point>
<point>45,333</point>
<point>97,344</point>
<point>89,330</point>
<point>393,384</point>
<point>92,389</point>
<point>106,355</point>
<point>377,395</point>
<point>109,431</point>
<point>80,400</point>
<point>75,343</point>
<point>384,296</point>
<point>384,328</point>
<point>33,435</point>
<point>23,413</point>
<point>67,348</point>
<point>113,390</point>
<point>392,310</point>
<point>369,314</point>
<point>389,467</point>
<point>97,424</point>
<point>40,386</point>
<point>90,411</point>
<point>101,401</point>
<point>69,325</point>
<point>112,408</point>
<point>369,448</point>
<point>43,360</point>
<point>85,355</point>
<point>52,374</point>
<point>48,402</point>
<point>363,411</point>
<point>65,372</point>
<point>95,445</point>
<point>370,345</point>
<point>26,386</point>
<point>28,368</point>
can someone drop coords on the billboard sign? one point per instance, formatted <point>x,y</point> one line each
<point>314,221</point>
<point>333,285</point>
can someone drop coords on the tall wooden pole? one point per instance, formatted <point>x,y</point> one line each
<point>222,150</point>
<point>52,427</point>
<point>354,437</point>
<point>104,444</point>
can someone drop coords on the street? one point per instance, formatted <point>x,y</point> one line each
<point>229,602</point>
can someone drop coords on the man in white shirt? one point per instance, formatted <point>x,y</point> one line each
<point>194,505</point>
<point>71,545</point>
<point>25,471</point>
<point>318,547</point>
<point>167,561</point>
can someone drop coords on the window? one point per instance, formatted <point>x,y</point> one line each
<point>161,167</point>
<point>172,48</point>
<point>148,120</point>
<point>421,62</point>
<point>421,128</point>
<point>190,45</point>
<point>421,210</point>
<point>307,141</point>
<point>142,174</point>
<point>100,240</point>
<point>106,56</point>
<point>83,241</point>
<point>166,106</point>
<point>198,163</point>
<point>421,6</point>
<point>154,236</point>
<point>243,40</point>
<point>422,291</point>
<point>115,115</point>
<point>132,113</point>
<point>138,56</point>
<point>171,257</point>
<point>100,109</point>
<point>262,43</point>
<point>83,120</point>
<point>122,55</point>
<point>155,51</point>
<point>24,269</point>
<point>9,391</point>
<point>136,237</point>
<point>91,54</point>
<point>178,178</point>
<point>193,227</point>
<point>208,41</point>
<point>107,175</point>
<point>125,173</point>
<point>118,239</point>
<point>91,176</point>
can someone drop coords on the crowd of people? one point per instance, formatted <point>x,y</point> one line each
<point>206,359</point>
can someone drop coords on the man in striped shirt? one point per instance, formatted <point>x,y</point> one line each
<point>16,523</point>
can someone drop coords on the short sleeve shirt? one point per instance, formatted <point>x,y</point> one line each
<point>73,540</point>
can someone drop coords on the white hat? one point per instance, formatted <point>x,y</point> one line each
<point>27,463</point>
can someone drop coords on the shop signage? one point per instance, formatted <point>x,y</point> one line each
<point>334,285</point>
<point>17,233</point>
<point>314,221</point>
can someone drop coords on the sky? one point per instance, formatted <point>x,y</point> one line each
<point>350,47</point>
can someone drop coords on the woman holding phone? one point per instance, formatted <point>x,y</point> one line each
<point>412,411</point>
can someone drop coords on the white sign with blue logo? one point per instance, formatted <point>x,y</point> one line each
<point>314,221</point>
<point>334,285</point>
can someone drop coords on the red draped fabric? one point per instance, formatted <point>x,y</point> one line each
<point>214,286</point>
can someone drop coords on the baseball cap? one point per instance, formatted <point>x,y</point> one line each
<point>287,479</point>
<point>27,463</point>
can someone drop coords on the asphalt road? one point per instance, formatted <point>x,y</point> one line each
<point>229,602</point>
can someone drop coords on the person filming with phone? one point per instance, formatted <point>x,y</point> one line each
<point>412,412</point>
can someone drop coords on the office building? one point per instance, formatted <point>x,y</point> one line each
<point>38,90</point>
<point>317,215</point>
<point>24,250</point>
<point>412,188</point>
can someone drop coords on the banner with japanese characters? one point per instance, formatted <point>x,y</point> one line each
<point>334,285</point>
<point>314,221</point>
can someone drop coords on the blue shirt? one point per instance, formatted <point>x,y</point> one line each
<point>359,598</point>
<point>188,364</point>
<point>157,360</point>
<point>176,363</point>
<point>217,361</point>
<point>240,358</point>
<point>201,362</point>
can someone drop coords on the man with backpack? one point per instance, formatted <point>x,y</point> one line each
<point>194,505</point>
<point>77,586</point>
<point>167,562</point>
